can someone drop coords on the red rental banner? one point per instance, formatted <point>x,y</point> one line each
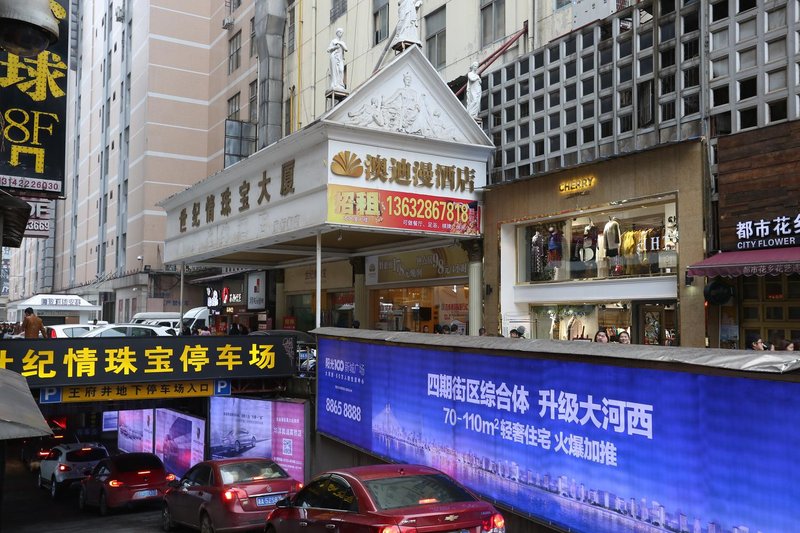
<point>401,210</point>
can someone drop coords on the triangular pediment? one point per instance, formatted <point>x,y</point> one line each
<point>409,97</point>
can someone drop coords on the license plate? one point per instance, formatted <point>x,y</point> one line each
<point>145,494</point>
<point>263,501</point>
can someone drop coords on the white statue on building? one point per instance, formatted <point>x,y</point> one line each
<point>336,49</point>
<point>473,91</point>
<point>407,30</point>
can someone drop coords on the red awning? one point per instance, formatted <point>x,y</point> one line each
<point>771,262</point>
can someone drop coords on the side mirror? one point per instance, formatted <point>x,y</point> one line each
<point>175,483</point>
<point>284,503</point>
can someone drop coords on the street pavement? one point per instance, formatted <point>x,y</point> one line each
<point>27,509</point>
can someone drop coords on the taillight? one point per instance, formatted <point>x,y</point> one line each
<point>230,495</point>
<point>170,477</point>
<point>64,468</point>
<point>495,524</point>
<point>115,483</point>
<point>44,453</point>
<point>52,334</point>
<point>143,472</point>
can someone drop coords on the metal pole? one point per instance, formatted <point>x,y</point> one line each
<point>319,278</point>
<point>181,297</point>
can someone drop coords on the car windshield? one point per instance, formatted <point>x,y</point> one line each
<point>137,462</point>
<point>242,472</point>
<point>85,455</point>
<point>407,491</point>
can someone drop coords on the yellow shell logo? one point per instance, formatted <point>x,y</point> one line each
<point>347,164</point>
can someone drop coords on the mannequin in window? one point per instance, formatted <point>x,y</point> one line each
<point>612,237</point>
<point>538,254</point>
<point>588,250</point>
<point>554,251</point>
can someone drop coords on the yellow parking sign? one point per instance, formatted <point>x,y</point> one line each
<point>137,391</point>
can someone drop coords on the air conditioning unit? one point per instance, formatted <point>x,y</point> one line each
<point>119,14</point>
<point>227,23</point>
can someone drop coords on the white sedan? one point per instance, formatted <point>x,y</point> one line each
<point>131,330</point>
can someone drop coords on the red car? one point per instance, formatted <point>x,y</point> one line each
<point>123,481</point>
<point>226,495</point>
<point>385,499</point>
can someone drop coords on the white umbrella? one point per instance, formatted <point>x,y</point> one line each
<point>20,417</point>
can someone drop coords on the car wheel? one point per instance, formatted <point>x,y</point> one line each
<point>237,446</point>
<point>55,490</point>
<point>205,524</point>
<point>82,499</point>
<point>166,519</point>
<point>102,505</point>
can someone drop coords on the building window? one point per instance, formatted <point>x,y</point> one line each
<point>233,107</point>
<point>235,4</point>
<point>380,17</point>
<point>548,251</point>
<point>436,39</point>
<point>240,141</point>
<point>252,37</point>
<point>252,103</point>
<point>287,116</point>
<point>338,8</point>
<point>290,29</point>
<point>493,21</point>
<point>235,52</point>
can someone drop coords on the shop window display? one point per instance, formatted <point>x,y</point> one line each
<point>421,309</point>
<point>625,243</point>
<point>580,322</point>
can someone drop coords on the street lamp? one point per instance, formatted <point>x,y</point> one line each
<point>27,28</point>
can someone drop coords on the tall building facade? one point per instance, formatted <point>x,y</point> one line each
<point>166,96</point>
<point>151,86</point>
<point>163,96</point>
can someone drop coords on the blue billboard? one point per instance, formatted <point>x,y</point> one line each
<point>591,448</point>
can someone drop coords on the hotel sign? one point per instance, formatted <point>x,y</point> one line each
<point>389,188</point>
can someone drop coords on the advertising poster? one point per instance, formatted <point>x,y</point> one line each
<point>135,433</point>
<point>589,448</point>
<point>288,437</point>
<point>110,420</point>
<point>180,440</point>
<point>242,427</point>
<point>257,290</point>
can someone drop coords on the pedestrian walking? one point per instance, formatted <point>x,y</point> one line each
<point>32,325</point>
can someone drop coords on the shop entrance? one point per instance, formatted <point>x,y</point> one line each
<point>770,308</point>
